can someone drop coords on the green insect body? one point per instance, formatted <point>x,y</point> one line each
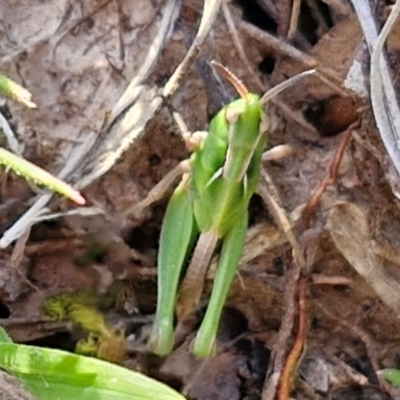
<point>213,201</point>
<point>221,186</point>
<point>31,171</point>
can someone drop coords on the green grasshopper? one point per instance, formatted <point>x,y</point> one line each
<point>211,201</point>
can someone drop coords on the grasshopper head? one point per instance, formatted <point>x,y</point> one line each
<point>248,104</point>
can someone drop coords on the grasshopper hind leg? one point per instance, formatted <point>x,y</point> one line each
<point>227,265</point>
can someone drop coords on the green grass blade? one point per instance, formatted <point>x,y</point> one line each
<point>16,92</point>
<point>57,375</point>
<point>40,176</point>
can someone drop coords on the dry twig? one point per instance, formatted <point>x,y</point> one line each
<point>330,179</point>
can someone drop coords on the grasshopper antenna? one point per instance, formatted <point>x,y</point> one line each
<point>232,78</point>
<point>285,85</point>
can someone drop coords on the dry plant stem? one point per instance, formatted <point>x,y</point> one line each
<point>355,376</point>
<point>19,250</point>
<point>330,179</point>
<point>285,49</point>
<point>340,6</point>
<point>319,279</point>
<point>297,117</point>
<point>278,45</point>
<point>332,85</point>
<point>309,392</point>
<point>192,285</point>
<point>297,349</point>
<point>50,246</point>
<point>25,329</point>
<point>169,13</point>
<point>184,131</point>
<point>294,18</point>
<point>11,205</point>
<point>6,322</point>
<point>277,361</point>
<point>317,16</point>
<point>210,10</point>
<point>239,47</point>
<point>282,16</point>
<point>83,212</point>
<point>17,257</point>
<point>382,92</point>
<point>10,136</point>
<point>268,6</point>
<point>269,194</point>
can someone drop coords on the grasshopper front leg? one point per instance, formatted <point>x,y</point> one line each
<point>177,238</point>
<point>158,191</point>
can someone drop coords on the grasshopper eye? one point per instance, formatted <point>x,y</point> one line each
<point>233,112</point>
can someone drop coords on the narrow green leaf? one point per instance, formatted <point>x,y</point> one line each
<point>57,375</point>
<point>40,176</point>
<point>15,91</point>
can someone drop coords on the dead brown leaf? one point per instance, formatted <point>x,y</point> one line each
<point>348,226</point>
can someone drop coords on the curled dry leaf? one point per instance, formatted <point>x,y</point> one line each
<point>348,226</point>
